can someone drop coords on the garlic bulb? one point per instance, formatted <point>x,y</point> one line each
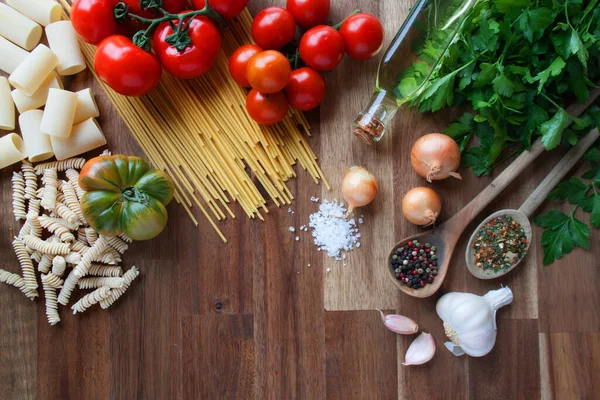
<point>470,320</point>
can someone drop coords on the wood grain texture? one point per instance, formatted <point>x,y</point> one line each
<point>248,320</point>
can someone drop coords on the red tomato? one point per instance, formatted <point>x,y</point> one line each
<point>309,13</point>
<point>197,58</point>
<point>322,48</point>
<point>238,63</point>
<point>172,6</point>
<point>273,28</point>
<point>125,67</point>
<point>269,71</point>
<point>306,89</point>
<point>363,35</point>
<point>266,109</point>
<point>227,8</point>
<point>94,20</point>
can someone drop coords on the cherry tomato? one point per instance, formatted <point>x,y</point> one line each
<point>197,58</point>
<point>306,89</point>
<point>269,71</point>
<point>172,6</point>
<point>126,68</point>
<point>94,20</point>
<point>363,35</point>
<point>238,63</point>
<point>309,13</point>
<point>273,28</point>
<point>266,109</point>
<point>227,8</point>
<point>322,48</point>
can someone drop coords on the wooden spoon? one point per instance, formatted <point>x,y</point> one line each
<point>445,237</point>
<point>530,205</point>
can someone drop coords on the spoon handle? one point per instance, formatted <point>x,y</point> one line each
<point>561,169</point>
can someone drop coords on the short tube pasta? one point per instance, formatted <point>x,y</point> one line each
<point>34,70</point>
<point>62,39</point>
<point>19,29</point>
<point>86,106</point>
<point>59,113</point>
<point>12,55</point>
<point>44,12</point>
<point>85,136</point>
<point>38,99</point>
<point>37,144</point>
<point>7,107</point>
<point>12,150</point>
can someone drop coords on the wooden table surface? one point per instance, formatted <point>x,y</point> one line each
<point>251,320</point>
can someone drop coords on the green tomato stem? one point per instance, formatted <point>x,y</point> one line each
<point>338,26</point>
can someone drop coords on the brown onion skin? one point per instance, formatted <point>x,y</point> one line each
<point>435,156</point>
<point>421,206</point>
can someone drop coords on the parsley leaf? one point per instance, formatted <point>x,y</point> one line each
<point>563,232</point>
<point>503,86</point>
<point>553,128</point>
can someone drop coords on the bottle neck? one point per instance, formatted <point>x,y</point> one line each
<point>373,121</point>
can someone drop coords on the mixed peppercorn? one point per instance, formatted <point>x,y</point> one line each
<point>499,244</point>
<point>415,264</point>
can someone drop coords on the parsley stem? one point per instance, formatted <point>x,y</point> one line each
<point>574,210</point>
<point>550,100</point>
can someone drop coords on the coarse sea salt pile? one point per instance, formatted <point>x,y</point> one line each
<point>332,232</point>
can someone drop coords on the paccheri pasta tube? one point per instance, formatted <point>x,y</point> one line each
<point>7,107</point>
<point>34,70</point>
<point>19,29</point>
<point>37,144</point>
<point>12,56</point>
<point>26,103</point>
<point>59,113</point>
<point>12,150</point>
<point>85,136</point>
<point>62,40</point>
<point>86,106</point>
<point>44,12</point>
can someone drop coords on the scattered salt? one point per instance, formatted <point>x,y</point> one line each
<point>331,231</point>
<point>314,199</point>
<point>361,221</point>
<point>297,238</point>
<point>292,229</point>
<point>308,265</point>
<point>328,270</point>
<point>357,244</point>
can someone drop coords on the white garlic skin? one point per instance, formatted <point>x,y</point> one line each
<point>473,318</point>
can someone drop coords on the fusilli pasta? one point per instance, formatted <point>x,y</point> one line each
<point>50,180</point>
<point>65,213</point>
<point>34,207</point>
<point>73,177</point>
<point>103,270</point>
<point>46,247</point>
<point>36,256</point>
<point>18,186</point>
<point>118,244</point>
<point>59,265</point>
<point>53,280</point>
<point>73,258</point>
<point>97,282</point>
<point>72,201</point>
<point>126,238</point>
<point>89,300</point>
<point>26,265</point>
<point>52,226</point>
<point>45,263</point>
<point>71,163</point>
<point>91,236</point>
<point>117,293</point>
<point>35,226</point>
<point>31,180</point>
<point>51,303</point>
<point>15,280</point>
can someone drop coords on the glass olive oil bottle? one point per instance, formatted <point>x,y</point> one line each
<point>411,61</point>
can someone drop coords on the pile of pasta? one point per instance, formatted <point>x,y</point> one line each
<point>56,237</point>
<point>67,126</point>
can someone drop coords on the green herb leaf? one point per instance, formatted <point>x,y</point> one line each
<point>503,86</point>
<point>552,129</point>
<point>553,69</point>
<point>562,234</point>
<point>573,190</point>
<point>595,214</point>
<point>440,93</point>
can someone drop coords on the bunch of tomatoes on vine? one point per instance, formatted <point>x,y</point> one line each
<point>138,38</point>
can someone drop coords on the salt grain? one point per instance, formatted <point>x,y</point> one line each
<point>328,270</point>
<point>331,231</point>
<point>292,229</point>
<point>297,238</point>
<point>314,199</point>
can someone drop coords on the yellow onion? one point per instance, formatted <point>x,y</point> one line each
<point>359,187</point>
<point>421,206</point>
<point>435,157</point>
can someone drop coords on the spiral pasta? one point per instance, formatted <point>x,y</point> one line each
<point>89,300</point>
<point>126,238</point>
<point>73,258</point>
<point>81,270</point>
<point>36,256</point>
<point>45,263</point>
<point>73,177</point>
<point>81,236</point>
<point>104,270</point>
<point>97,282</point>
<point>50,224</point>
<point>25,230</point>
<point>117,293</point>
<point>91,236</point>
<point>51,303</point>
<point>71,200</point>
<point>65,212</point>
<point>71,163</point>
<point>18,187</point>
<point>46,247</point>
<point>31,180</point>
<point>108,256</point>
<point>106,152</point>
<point>59,265</point>
<point>34,207</point>
<point>26,265</point>
<point>53,280</point>
<point>35,226</point>
<point>118,244</point>
<point>48,195</point>
<point>79,247</point>
<point>17,281</point>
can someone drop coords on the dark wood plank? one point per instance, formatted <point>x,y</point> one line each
<point>361,356</point>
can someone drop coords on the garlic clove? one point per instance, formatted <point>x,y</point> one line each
<point>421,350</point>
<point>399,324</point>
<point>454,349</point>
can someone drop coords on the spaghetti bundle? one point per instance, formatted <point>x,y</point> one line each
<point>198,131</point>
